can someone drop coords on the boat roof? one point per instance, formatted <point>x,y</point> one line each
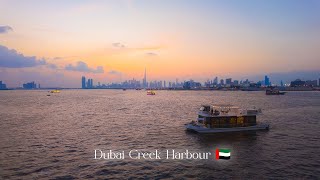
<point>223,105</point>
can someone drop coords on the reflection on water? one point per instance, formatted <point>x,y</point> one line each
<point>55,136</point>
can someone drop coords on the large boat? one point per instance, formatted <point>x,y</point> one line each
<point>274,91</point>
<point>226,118</point>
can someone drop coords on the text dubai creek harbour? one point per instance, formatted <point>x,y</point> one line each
<point>151,155</point>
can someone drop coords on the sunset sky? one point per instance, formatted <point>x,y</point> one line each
<point>56,42</point>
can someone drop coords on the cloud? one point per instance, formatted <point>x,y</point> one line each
<point>118,45</point>
<point>52,66</point>
<point>152,54</point>
<point>113,72</point>
<point>5,29</point>
<point>83,67</point>
<point>10,58</point>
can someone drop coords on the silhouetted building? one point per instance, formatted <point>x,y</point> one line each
<point>297,83</point>
<point>83,82</point>
<point>191,85</point>
<point>236,82</point>
<point>229,81</point>
<point>215,81</point>
<point>144,81</point>
<point>30,85</point>
<point>311,83</point>
<point>90,84</point>
<point>2,85</point>
<point>221,82</point>
<point>267,81</point>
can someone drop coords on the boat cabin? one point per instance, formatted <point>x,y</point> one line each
<point>226,116</point>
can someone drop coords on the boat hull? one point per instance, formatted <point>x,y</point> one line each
<point>204,130</point>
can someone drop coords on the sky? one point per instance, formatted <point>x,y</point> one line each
<point>56,42</point>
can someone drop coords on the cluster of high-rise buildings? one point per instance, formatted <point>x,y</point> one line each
<point>86,84</point>
<point>191,84</point>
<point>2,85</point>
<point>131,84</point>
<point>31,85</point>
<point>228,82</point>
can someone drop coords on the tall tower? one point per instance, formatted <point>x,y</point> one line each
<point>83,82</point>
<point>145,78</point>
<point>267,81</point>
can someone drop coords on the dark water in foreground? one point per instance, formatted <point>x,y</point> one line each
<point>55,137</point>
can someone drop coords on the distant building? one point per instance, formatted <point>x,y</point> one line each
<point>297,83</point>
<point>267,81</point>
<point>215,81</point>
<point>235,82</point>
<point>90,84</point>
<point>221,82</point>
<point>83,82</point>
<point>191,85</point>
<point>311,83</point>
<point>229,81</point>
<point>30,85</point>
<point>144,81</point>
<point>2,85</point>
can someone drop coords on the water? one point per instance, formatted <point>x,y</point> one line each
<point>55,136</point>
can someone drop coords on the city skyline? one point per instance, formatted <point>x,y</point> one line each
<point>55,43</point>
<point>278,79</point>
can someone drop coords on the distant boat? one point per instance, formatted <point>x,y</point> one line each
<point>274,92</point>
<point>55,91</point>
<point>151,93</point>
<point>124,89</point>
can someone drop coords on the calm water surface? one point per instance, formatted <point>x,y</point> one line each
<point>54,137</point>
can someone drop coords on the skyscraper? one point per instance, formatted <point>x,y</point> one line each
<point>145,78</point>
<point>90,84</point>
<point>266,81</point>
<point>83,82</point>
<point>228,81</point>
<point>215,81</point>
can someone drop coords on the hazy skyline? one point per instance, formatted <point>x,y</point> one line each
<point>56,42</point>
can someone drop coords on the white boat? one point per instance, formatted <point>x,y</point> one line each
<point>226,118</point>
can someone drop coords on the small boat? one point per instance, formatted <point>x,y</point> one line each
<point>151,93</point>
<point>124,89</point>
<point>225,118</point>
<point>55,91</point>
<point>274,92</point>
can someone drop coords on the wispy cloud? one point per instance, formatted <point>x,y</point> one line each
<point>118,45</point>
<point>149,51</point>
<point>52,66</point>
<point>5,29</point>
<point>113,72</point>
<point>151,54</point>
<point>83,67</point>
<point>10,58</point>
